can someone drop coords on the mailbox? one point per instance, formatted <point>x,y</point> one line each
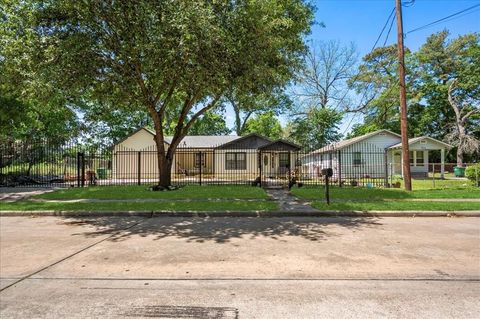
<point>327,172</point>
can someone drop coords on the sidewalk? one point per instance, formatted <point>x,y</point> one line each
<point>289,203</point>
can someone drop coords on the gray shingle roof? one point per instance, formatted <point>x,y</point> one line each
<point>203,141</point>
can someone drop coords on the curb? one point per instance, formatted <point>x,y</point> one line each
<point>149,214</point>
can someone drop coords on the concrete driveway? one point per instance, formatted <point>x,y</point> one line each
<point>239,267</point>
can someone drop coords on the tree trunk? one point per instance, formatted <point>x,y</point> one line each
<point>459,157</point>
<point>461,141</point>
<point>164,171</point>
<point>164,163</point>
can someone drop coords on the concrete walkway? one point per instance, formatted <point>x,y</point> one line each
<point>287,202</point>
<point>13,194</point>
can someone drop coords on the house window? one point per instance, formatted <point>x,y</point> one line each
<point>284,160</point>
<point>419,158</point>
<point>357,158</point>
<point>412,158</point>
<point>200,158</point>
<point>236,161</point>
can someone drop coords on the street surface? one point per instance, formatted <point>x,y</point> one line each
<point>239,267</point>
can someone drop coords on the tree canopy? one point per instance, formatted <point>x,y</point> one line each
<point>265,124</point>
<point>176,57</point>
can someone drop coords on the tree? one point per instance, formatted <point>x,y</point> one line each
<point>211,123</point>
<point>104,124</point>
<point>151,54</point>
<point>246,105</point>
<point>450,72</point>
<point>377,84</point>
<point>318,128</point>
<point>265,124</point>
<point>323,78</point>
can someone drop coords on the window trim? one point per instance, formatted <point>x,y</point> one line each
<point>285,161</point>
<point>238,164</point>
<point>355,160</point>
<point>196,161</point>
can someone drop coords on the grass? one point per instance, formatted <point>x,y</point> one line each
<point>398,206</point>
<point>438,183</point>
<point>149,206</point>
<point>141,192</point>
<point>378,194</point>
<point>364,199</point>
<point>224,195</point>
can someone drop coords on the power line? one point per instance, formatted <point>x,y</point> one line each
<point>391,19</point>
<point>383,29</point>
<point>444,19</point>
<point>389,30</point>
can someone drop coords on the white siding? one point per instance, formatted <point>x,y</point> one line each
<point>251,170</point>
<point>372,156</point>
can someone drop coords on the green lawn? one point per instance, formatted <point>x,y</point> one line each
<point>222,199</point>
<point>439,183</point>
<point>148,206</point>
<point>378,194</point>
<point>141,192</point>
<point>359,198</point>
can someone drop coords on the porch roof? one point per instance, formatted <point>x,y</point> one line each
<point>280,145</point>
<point>429,144</point>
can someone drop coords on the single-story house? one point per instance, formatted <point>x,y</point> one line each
<point>375,155</point>
<point>216,157</point>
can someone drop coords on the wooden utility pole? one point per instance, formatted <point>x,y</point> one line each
<point>407,178</point>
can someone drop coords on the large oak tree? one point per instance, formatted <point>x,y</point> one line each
<point>162,56</point>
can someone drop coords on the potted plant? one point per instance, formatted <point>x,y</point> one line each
<point>396,181</point>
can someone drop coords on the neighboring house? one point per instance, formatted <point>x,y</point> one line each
<point>216,157</point>
<point>375,155</point>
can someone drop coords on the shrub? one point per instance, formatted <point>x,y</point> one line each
<point>473,173</point>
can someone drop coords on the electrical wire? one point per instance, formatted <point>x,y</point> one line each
<point>383,29</point>
<point>388,33</point>
<point>445,18</point>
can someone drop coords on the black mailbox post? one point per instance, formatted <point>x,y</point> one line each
<point>327,172</point>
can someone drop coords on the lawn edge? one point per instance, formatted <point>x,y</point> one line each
<point>347,213</point>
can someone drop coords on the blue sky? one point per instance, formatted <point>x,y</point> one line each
<point>360,22</point>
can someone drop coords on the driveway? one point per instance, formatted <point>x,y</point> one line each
<point>239,267</point>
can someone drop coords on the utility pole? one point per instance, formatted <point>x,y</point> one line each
<point>407,178</point>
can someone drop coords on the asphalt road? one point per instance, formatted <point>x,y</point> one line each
<point>239,267</point>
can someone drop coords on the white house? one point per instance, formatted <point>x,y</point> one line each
<point>215,157</point>
<point>374,155</point>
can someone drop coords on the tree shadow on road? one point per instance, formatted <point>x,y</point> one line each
<point>223,229</point>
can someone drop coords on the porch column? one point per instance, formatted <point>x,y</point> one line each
<point>401,162</point>
<point>425,161</point>
<point>392,162</point>
<point>442,163</point>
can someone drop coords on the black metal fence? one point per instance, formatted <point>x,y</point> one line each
<point>74,165</point>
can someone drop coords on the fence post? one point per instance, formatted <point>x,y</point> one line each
<point>433,174</point>
<point>391,173</point>
<point>289,166</point>
<point>385,159</point>
<point>78,169</point>
<point>260,168</point>
<point>83,168</point>
<point>139,168</point>
<point>339,155</point>
<point>200,168</point>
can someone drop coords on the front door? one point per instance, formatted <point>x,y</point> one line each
<point>269,164</point>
